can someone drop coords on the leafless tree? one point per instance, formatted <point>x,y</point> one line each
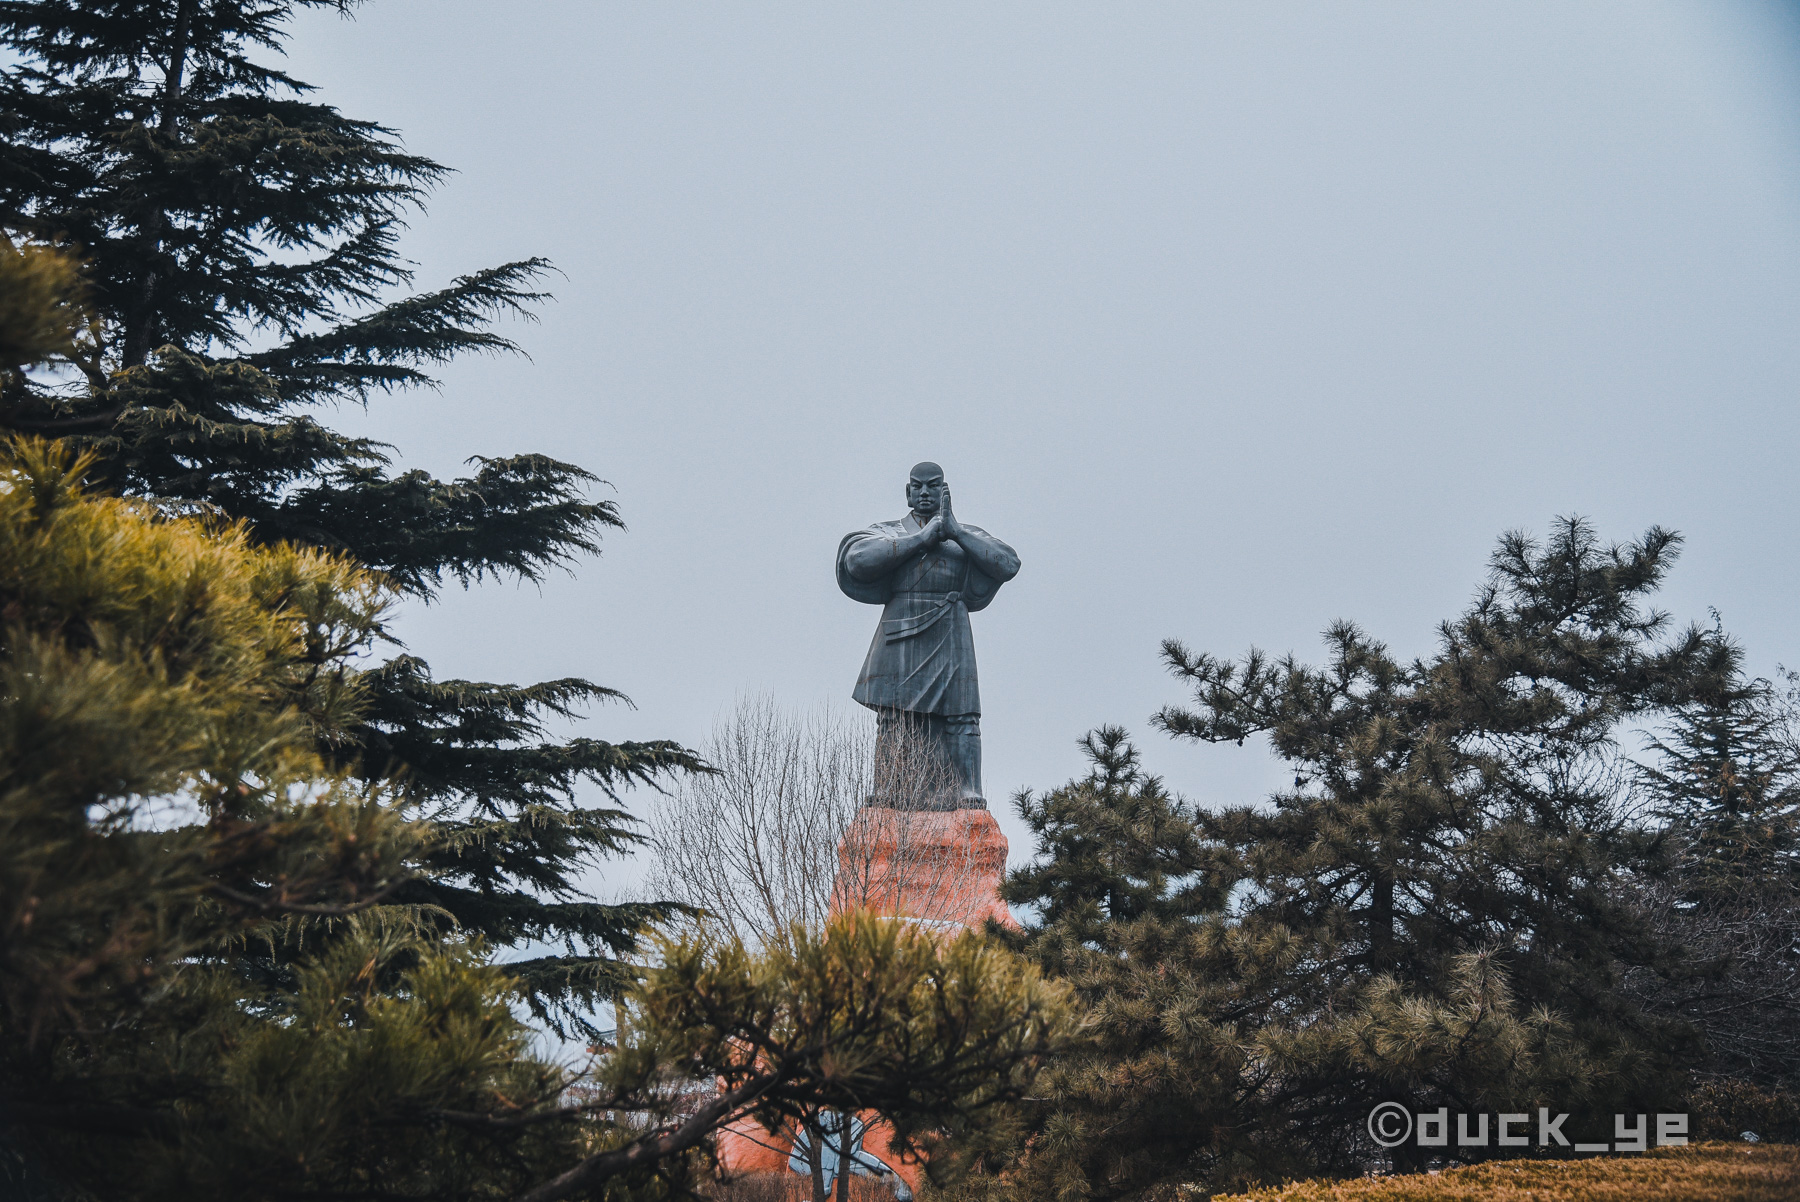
<point>803,814</point>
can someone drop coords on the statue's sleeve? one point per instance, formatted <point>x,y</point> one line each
<point>870,592</point>
<point>981,587</point>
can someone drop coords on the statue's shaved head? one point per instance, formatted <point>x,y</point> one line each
<point>923,488</point>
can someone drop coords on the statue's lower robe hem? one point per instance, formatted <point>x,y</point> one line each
<point>930,670</point>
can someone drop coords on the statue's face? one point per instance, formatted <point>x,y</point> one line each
<point>925,493</point>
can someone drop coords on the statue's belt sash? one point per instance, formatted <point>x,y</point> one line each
<point>895,629</point>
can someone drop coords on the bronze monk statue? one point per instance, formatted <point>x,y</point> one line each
<point>929,572</point>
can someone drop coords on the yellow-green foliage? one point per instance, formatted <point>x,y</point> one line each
<point>344,1078</point>
<point>161,652</point>
<point>937,1034</point>
<point>200,978</point>
<point>1700,1173</point>
<point>40,311</point>
<point>162,687</point>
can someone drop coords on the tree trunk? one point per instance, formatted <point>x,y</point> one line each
<point>815,1157</point>
<point>846,1148</point>
<point>140,321</point>
<point>1381,922</point>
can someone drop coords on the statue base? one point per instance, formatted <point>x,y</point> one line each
<point>936,866</point>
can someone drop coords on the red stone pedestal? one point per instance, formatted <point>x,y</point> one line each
<point>938,866</point>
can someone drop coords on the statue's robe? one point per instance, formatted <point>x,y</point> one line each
<point>922,659</point>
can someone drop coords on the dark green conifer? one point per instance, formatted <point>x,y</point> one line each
<point>1725,781</point>
<point>240,242</point>
<point>1128,911</point>
<point>1437,913</point>
<point>163,810</point>
<point>1468,801</point>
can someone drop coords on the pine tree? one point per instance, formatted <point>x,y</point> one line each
<point>1128,911</point>
<point>942,1037</point>
<point>1725,781</point>
<point>1469,800</point>
<point>1437,913</point>
<point>240,249</point>
<point>164,811</point>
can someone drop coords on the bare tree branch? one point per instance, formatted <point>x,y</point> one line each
<point>780,832</point>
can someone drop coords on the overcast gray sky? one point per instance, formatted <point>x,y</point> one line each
<point>1232,319</point>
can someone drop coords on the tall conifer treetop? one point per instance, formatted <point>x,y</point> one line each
<point>240,242</point>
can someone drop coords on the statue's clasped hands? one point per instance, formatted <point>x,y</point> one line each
<point>944,525</point>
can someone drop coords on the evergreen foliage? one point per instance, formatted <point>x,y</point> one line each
<point>225,966</point>
<point>1725,783</point>
<point>1437,913</point>
<point>165,821</point>
<point>239,250</point>
<point>41,316</point>
<point>168,830</point>
<point>169,833</point>
<point>1726,780</point>
<point>1129,913</point>
<point>943,1037</point>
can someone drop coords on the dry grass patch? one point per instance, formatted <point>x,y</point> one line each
<point>1700,1173</point>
